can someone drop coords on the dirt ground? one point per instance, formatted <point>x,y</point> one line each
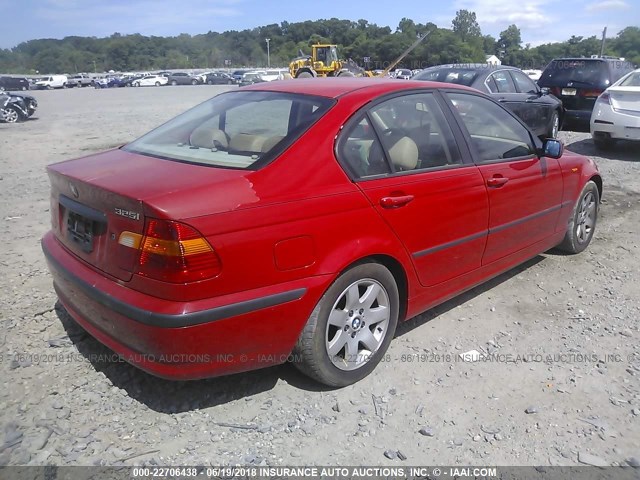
<point>560,384</point>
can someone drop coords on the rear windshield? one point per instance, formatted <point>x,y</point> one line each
<point>234,130</point>
<point>577,71</point>
<point>631,80</point>
<point>587,71</point>
<point>449,75</point>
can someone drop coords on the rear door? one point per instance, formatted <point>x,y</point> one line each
<point>403,156</point>
<point>525,191</point>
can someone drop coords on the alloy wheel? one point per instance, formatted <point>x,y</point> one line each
<point>358,324</point>
<point>586,217</point>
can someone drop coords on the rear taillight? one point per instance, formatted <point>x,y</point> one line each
<point>591,93</point>
<point>172,252</point>
<point>605,98</point>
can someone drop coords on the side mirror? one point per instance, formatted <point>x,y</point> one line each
<point>552,148</point>
<point>545,91</point>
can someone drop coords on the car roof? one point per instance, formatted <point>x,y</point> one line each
<point>337,87</point>
<point>472,66</point>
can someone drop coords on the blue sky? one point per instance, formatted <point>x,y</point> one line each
<point>540,21</point>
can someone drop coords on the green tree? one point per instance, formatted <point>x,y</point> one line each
<point>466,26</point>
<point>509,43</point>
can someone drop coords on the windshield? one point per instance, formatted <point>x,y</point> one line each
<point>449,75</point>
<point>234,130</point>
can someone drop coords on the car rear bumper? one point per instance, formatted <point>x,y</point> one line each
<point>184,340</point>
<point>616,125</point>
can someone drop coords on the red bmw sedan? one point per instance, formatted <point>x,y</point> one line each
<point>303,220</point>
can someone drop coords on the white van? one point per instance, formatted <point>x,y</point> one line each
<point>52,81</point>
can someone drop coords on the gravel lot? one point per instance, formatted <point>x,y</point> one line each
<point>563,387</point>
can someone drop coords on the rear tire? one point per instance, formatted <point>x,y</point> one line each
<point>355,320</point>
<point>582,224</point>
<point>304,75</point>
<point>174,83</point>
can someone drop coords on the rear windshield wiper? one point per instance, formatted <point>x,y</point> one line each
<point>579,81</point>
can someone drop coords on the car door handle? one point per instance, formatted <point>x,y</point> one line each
<point>497,181</point>
<point>396,201</point>
<point>502,99</point>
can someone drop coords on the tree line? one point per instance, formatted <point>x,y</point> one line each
<point>358,40</point>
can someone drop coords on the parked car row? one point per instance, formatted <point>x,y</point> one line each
<point>542,112</point>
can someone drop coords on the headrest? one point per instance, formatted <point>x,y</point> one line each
<point>206,137</point>
<point>404,154</point>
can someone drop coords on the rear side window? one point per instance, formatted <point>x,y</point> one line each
<point>236,130</point>
<point>503,82</point>
<point>407,133</point>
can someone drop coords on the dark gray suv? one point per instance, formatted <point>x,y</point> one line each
<point>579,81</point>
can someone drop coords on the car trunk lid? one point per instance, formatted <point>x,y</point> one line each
<point>625,98</point>
<point>95,199</point>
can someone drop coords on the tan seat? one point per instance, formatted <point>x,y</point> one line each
<point>246,142</point>
<point>404,154</point>
<point>206,137</point>
<point>271,142</point>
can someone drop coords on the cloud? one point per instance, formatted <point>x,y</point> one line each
<point>526,14</point>
<point>151,17</point>
<point>607,5</point>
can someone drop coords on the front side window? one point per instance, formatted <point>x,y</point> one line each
<point>403,134</point>
<point>234,130</point>
<point>523,82</point>
<point>495,134</point>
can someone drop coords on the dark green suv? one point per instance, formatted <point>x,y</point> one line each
<point>579,81</point>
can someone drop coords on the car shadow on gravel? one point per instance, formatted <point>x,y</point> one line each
<point>622,150</point>
<point>170,396</point>
<point>465,297</point>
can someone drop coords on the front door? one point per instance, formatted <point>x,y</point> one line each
<point>524,190</point>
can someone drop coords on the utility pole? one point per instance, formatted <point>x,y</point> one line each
<point>604,36</point>
<point>268,53</point>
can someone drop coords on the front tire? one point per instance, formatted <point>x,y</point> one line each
<point>582,224</point>
<point>603,144</point>
<point>350,328</point>
<point>174,83</point>
<point>305,75</point>
<point>11,115</point>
